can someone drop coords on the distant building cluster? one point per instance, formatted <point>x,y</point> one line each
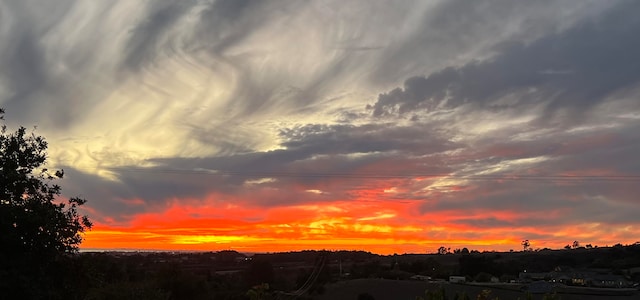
<point>573,277</point>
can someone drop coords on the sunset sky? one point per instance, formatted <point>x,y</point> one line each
<point>384,126</point>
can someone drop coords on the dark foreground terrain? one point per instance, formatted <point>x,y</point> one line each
<point>385,289</point>
<point>574,273</point>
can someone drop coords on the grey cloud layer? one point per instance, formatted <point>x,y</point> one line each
<point>574,70</point>
<point>316,157</point>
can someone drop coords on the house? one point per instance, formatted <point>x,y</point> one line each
<point>532,276</point>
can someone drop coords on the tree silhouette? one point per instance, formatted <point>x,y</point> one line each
<point>526,245</point>
<point>36,228</point>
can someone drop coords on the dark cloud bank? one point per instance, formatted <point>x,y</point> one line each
<point>574,70</point>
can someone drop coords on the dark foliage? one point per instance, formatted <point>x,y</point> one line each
<point>365,296</point>
<point>36,229</point>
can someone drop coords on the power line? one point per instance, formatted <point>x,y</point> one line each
<point>311,280</point>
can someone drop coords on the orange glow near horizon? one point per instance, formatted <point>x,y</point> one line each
<point>383,227</point>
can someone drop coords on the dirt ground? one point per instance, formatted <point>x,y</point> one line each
<point>383,289</point>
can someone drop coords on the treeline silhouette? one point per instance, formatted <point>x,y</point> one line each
<point>234,275</point>
<point>206,275</point>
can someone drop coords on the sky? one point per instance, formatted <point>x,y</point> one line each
<point>383,126</point>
